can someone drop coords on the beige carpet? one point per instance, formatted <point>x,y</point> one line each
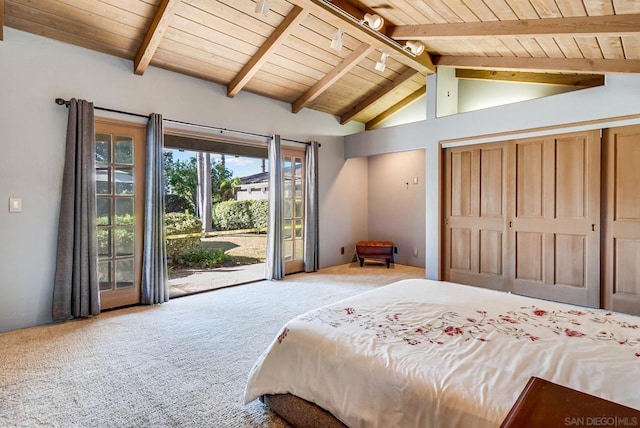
<point>180,364</point>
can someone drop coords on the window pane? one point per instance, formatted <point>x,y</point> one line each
<point>124,273</point>
<point>287,192</point>
<point>124,241</point>
<point>124,150</point>
<point>103,148</point>
<point>104,276</point>
<point>298,212</point>
<point>124,211</point>
<point>287,232</point>
<point>299,228</point>
<point>298,169</point>
<point>298,187</point>
<point>104,242</point>
<point>286,167</point>
<point>103,181</point>
<point>124,181</point>
<point>103,207</point>
<point>288,213</point>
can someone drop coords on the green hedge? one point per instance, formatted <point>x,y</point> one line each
<point>179,224</point>
<point>233,215</point>
<point>260,213</point>
<point>122,235</point>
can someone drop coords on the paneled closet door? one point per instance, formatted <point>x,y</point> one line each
<point>554,217</point>
<point>621,237</point>
<point>475,243</point>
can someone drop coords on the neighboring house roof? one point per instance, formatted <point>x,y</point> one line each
<point>260,177</point>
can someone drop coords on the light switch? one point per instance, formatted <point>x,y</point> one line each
<point>15,205</point>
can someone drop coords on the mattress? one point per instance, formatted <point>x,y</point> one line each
<point>421,353</point>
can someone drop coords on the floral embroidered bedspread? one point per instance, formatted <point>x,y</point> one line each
<point>421,353</point>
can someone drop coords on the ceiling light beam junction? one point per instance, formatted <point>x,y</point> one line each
<point>340,19</point>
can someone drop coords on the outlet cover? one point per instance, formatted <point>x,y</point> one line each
<point>15,205</point>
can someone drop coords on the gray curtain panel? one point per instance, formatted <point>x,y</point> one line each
<point>275,259</point>
<point>155,288</point>
<point>311,244</point>
<point>76,291</point>
<point>203,164</point>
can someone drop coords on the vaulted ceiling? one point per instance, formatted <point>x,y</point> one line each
<point>287,54</point>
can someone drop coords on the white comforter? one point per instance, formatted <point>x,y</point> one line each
<point>420,353</point>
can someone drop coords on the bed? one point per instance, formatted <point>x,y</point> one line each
<point>420,353</point>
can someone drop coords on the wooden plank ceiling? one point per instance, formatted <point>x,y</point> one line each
<point>286,55</point>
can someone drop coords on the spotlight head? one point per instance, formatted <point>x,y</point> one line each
<point>262,7</point>
<point>374,21</point>
<point>381,65</point>
<point>336,42</point>
<point>415,47</point>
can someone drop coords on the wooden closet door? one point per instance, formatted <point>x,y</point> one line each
<point>475,242</point>
<point>554,212</point>
<point>621,235</point>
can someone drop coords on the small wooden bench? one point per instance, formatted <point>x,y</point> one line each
<point>378,250</point>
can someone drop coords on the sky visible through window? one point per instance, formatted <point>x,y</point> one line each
<point>240,165</point>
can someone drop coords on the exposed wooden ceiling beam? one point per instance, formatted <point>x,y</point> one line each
<point>274,41</point>
<point>574,65</point>
<point>373,98</point>
<point>327,13</point>
<point>159,25</point>
<point>396,108</point>
<point>579,80</point>
<point>330,78</point>
<point>1,20</point>
<point>549,27</point>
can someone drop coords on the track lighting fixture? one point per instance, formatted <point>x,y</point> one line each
<point>380,65</point>
<point>375,22</point>
<point>336,42</point>
<point>414,47</point>
<point>262,7</point>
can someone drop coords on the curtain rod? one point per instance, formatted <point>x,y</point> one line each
<point>65,103</point>
<point>61,101</point>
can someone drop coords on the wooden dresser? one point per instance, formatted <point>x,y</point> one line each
<point>546,404</point>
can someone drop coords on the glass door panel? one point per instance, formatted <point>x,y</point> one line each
<point>119,151</point>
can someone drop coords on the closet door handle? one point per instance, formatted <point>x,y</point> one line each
<point>593,227</point>
<point>510,223</point>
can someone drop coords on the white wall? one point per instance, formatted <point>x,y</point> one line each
<point>396,204</point>
<point>567,112</point>
<point>414,112</point>
<point>447,92</point>
<point>479,94</point>
<point>34,71</point>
